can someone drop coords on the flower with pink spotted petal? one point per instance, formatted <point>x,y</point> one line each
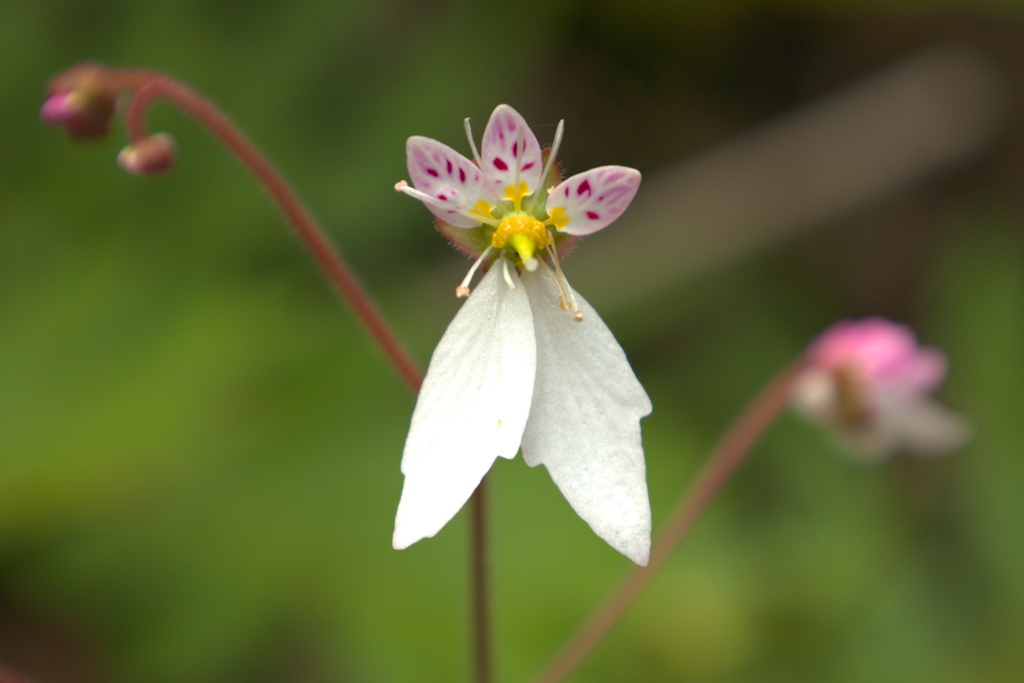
<point>510,199</point>
<point>870,381</point>
<point>526,362</point>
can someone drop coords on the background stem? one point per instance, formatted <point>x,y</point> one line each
<point>334,267</point>
<point>733,448</point>
<point>480,588</point>
<point>150,87</point>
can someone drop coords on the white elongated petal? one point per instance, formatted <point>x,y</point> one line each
<point>472,406</point>
<point>593,199</point>
<point>509,144</point>
<point>453,182</point>
<point>919,425</point>
<point>584,423</point>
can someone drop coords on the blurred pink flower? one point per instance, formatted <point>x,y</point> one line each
<point>870,381</point>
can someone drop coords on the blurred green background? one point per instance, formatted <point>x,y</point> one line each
<point>199,448</point>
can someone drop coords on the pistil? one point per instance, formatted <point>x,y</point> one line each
<point>525,235</point>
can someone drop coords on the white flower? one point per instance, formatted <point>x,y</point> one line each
<point>526,361</point>
<point>870,381</point>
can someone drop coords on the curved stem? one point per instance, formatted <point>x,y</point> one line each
<point>341,275</point>
<point>338,272</point>
<point>147,87</point>
<point>733,448</point>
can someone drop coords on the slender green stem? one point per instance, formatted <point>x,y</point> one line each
<point>734,447</point>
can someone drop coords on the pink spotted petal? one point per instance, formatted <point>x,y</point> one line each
<point>502,153</point>
<point>593,199</point>
<point>451,179</point>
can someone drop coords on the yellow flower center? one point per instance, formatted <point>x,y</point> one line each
<point>523,233</point>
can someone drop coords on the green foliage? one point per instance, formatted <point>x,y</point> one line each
<point>199,448</point>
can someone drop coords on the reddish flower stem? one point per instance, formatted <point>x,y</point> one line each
<point>338,272</point>
<point>146,87</point>
<point>733,448</point>
<point>8,676</point>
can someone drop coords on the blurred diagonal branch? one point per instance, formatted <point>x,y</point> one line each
<point>734,447</point>
<point>8,676</point>
<point>902,124</point>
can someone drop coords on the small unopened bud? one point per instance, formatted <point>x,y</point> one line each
<point>82,113</point>
<point>148,156</point>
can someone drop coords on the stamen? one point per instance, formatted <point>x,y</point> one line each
<point>561,292</point>
<point>472,145</point>
<point>577,313</point>
<point>508,278</point>
<point>462,291</point>
<point>555,144</point>
<point>538,197</point>
<point>406,188</point>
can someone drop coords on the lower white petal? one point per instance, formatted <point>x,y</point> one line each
<point>472,406</point>
<point>584,423</point>
<point>919,425</point>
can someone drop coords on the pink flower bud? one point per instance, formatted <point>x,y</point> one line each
<point>870,381</point>
<point>149,156</point>
<point>84,114</point>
